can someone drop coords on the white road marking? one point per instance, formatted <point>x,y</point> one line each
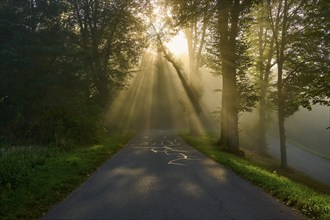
<point>181,154</point>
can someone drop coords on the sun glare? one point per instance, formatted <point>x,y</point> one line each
<point>178,45</point>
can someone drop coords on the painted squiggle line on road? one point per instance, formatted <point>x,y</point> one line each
<point>182,157</point>
<point>170,151</point>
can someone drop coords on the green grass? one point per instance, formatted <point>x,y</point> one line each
<point>313,204</point>
<point>35,178</point>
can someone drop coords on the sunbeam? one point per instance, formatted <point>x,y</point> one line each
<point>178,45</point>
<point>152,101</point>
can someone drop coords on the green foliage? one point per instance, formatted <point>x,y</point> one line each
<point>61,65</point>
<point>247,92</point>
<point>35,178</point>
<point>306,55</point>
<point>290,37</point>
<point>313,204</point>
<point>308,61</point>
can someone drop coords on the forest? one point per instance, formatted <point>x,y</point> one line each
<point>200,100</point>
<point>64,62</point>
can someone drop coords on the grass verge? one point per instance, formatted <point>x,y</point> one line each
<point>35,178</point>
<point>313,204</point>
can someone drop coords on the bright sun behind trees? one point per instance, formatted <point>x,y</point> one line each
<point>178,45</point>
<point>63,63</point>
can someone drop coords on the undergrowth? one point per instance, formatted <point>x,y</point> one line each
<point>35,178</point>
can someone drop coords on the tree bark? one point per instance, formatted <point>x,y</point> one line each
<point>280,49</point>
<point>264,65</point>
<point>229,114</point>
<point>228,16</point>
<point>281,98</point>
<point>262,104</point>
<point>281,117</point>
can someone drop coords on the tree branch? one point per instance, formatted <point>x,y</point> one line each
<point>169,57</point>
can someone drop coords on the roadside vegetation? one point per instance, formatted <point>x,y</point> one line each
<point>35,178</point>
<point>312,202</point>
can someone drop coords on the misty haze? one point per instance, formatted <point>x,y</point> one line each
<point>164,109</point>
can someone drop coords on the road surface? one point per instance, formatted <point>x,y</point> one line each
<point>304,161</point>
<point>158,176</point>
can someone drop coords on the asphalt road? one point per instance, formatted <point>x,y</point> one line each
<point>304,161</point>
<point>158,176</point>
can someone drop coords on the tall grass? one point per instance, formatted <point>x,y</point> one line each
<point>35,178</point>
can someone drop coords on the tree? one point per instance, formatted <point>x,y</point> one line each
<point>262,52</point>
<point>61,64</point>
<point>188,16</point>
<point>170,58</point>
<point>225,20</point>
<point>111,37</point>
<point>302,66</point>
<point>171,21</point>
<point>33,61</point>
<point>229,17</point>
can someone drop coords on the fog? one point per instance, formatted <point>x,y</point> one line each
<point>155,100</point>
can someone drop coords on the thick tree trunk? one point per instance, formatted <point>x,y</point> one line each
<point>227,27</point>
<point>229,115</point>
<point>229,112</point>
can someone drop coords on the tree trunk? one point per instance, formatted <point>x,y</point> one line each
<point>262,121</point>
<point>281,98</point>
<point>279,32</point>
<point>264,81</point>
<point>281,118</point>
<point>262,104</point>
<point>281,112</point>
<point>229,114</point>
<point>190,93</point>
<point>193,127</point>
<point>228,17</point>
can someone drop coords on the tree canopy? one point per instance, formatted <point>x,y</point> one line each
<point>63,62</point>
